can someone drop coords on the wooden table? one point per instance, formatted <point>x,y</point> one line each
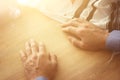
<point>74,63</point>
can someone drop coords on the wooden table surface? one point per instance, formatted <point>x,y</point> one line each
<point>74,63</point>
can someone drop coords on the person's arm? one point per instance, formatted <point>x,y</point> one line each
<point>113,41</point>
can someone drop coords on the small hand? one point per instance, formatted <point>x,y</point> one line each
<point>85,35</point>
<point>37,62</point>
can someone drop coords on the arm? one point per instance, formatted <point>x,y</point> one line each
<point>113,41</point>
<point>90,37</point>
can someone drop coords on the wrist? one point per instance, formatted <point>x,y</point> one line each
<point>103,44</point>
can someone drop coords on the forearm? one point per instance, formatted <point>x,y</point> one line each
<point>113,41</point>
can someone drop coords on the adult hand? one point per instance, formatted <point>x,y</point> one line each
<point>85,35</point>
<point>37,62</point>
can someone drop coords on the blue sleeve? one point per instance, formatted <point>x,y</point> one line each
<point>113,41</point>
<point>41,78</point>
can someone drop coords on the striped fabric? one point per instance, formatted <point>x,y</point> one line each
<point>97,12</point>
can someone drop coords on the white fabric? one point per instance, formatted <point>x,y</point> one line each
<point>64,10</point>
<point>60,10</point>
<point>101,16</point>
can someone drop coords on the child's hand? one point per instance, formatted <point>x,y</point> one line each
<point>37,62</point>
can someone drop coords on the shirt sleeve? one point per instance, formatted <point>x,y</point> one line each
<point>113,41</point>
<point>41,78</point>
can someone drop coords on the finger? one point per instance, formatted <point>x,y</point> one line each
<point>78,20</point>
<point>81,20</point>
<point>34,47</point>
<point>27,48</point>
<point>23,55</point>
<point>74,22</point>
<point>71,30</point>
<point>53,59</point>
<point>42,49</point>
<point>76,42</point>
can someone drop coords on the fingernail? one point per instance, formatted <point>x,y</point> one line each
<point>32,41</point>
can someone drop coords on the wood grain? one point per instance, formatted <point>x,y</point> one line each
<point>74,63</point>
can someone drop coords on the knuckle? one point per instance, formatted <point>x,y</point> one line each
<point>42,54</point>
<point>23,58</point>
<point>32,44</point>
<point>80,30</point>
<point>54,63</point>
<point>75,19</point>
<point>86,26</point>
<point>83,45</point>
<point>34,57</point>
<point>72,23</point>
